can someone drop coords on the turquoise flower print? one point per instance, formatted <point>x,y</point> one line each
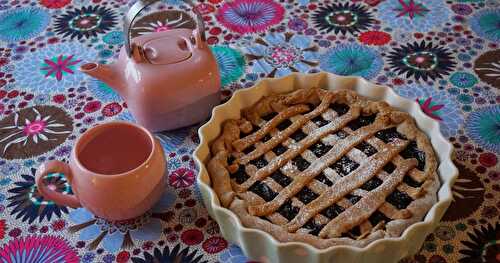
<point>22,23</point>
<point>486,24</point>
<point>437,105</point>
<point>53,68</point>
<point>230,62</point>
<point>413,15</point>
<point>483,126</point>
<point>233,254</point>
<point>103,92</point>
<point>114,236</point>
<point>113,38</point>
<point>463,79</point>
<point>352,59</point>
<point>277,55</point>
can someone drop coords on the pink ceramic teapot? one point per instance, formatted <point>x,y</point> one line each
<point>169,79</point>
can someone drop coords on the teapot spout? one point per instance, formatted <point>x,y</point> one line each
<point>108,74</point>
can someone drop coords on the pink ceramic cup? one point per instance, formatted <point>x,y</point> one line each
<point>116,171</point>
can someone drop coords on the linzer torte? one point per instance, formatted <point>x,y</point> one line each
<point>325,168</point>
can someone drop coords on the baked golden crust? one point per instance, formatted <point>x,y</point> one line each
<point>325,168</point>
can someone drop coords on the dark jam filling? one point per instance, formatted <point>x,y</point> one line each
<point>240,176</point>
<point>315,228</point>
<point>259,162</point>
<point>388,135</point>
<point>322,178</point>
<point>340,108</point>
<point>279,150</point>
<point>353,198</point>
<point>366,148</point>
<point>300,163</point>
<point>342,134</point>
<point>389,168</point>
<point>319,121</point>
<point>361,121</point>
<point>409,181</point>
<point>280,178</point>
<point>298,135</point>
<point>319,149</point>
<point>266,138</point>
<point>376,217</point>
<point>264,191</point>
<point>372,184</point>
<point>332,211</point>
<point>344,166</point>
<point>269,116</point>
<point>249,149</point>
<point>288,211</point>
<point>306,195</point>
<point>399,199</point>
<point>412,151</point>
<point>284,124</point>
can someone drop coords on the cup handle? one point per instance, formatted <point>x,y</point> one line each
<point>58,198</point>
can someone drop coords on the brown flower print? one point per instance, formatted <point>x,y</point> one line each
<point>487,67</point>
<point>162,21</point>
<point>468,195</point>
<point>33,131</point>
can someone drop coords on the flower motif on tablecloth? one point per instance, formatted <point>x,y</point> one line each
<point>483,244</point>
<point>38,249</point>
<point>483,126</point>
<point>186,255</point>
<point>182,177</point>
<point>343,18</point>
<point>422,61</point>
<point>102,91</point>
<point>120,234</point>
<point>233,254</point>
<point>468,195</point>
<point>375,38</point>
<point>28,204</point>
<point>55,4</point>
<point>486,23</point>
<point>413,15</point>
<point>437,105</point>
<point>87,22</point>
<point>33,131</point>
<point>22,23</point>
<point>487,67</point>
<point>230,62</point>
<point>250,16</point>
<point>171,140</point>
<point>113,38</point>
<point>53,68</point>
<point>463,79</point>
<point>277,55</point>
<point>162,21</point>
<point>352,59</point>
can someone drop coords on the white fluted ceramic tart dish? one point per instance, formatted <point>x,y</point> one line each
<point>323,168</point>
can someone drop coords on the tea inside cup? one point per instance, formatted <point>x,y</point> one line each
<point>114,148</point>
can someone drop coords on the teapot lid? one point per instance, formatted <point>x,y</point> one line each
<point>168,49</point>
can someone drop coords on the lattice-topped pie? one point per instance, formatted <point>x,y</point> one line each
<point>324,167</point>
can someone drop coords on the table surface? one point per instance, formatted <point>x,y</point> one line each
<point>443,54</point>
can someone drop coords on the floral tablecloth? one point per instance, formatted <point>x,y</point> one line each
<point>445,55</point>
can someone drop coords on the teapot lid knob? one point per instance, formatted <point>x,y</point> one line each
<point>138,7</point>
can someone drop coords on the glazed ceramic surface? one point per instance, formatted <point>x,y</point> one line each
<point>116,171</point>
<point>262,246</point>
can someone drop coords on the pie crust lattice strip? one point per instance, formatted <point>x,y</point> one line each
<point>324,167</point>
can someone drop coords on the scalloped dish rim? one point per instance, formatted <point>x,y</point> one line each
<point>442,147</point>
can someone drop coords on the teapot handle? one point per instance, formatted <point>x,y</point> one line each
<point>134,11</point>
